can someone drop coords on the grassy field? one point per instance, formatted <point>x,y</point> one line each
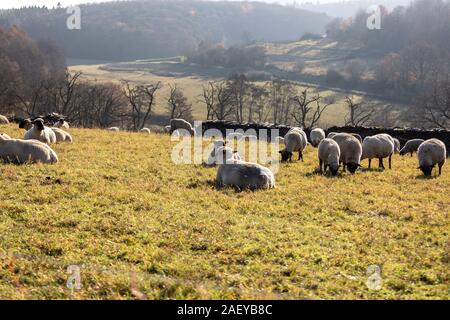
<point>192,88</point>
<point>140,227</point>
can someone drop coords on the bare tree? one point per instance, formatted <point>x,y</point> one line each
<point>238,87</point>
<point>308,109</point>
<point>433,108</point>
<point>142,99</point>
<point>208,97</point>
<point>177,104</point>
<point>359,114</point>
<point>224,105</point>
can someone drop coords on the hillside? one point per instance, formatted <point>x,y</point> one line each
<point>143,29</point>
<point>140,227</point>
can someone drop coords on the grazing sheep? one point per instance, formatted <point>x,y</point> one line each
<point>351,151</point>
<point>329,155</point>
<point>411,146</point>
<point>176,124</point>
<point>61,135</point>
<point>61,123</point>
<point>40,132</point>
<point>4,120</point>
<point>244,175</point>
<point>316,136</point>
<point>379,146</point>
<point>145,130</point>
<point>113,129</point>
<point>430,153</point>
<point>295,141</point>
<point>396,145</point>
<point>26,151</point>
<point>331,135</point>
<point>25,124</point>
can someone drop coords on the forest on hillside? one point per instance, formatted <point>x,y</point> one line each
<point>144,29</point>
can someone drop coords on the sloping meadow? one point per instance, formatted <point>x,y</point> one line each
<point>134,225</point>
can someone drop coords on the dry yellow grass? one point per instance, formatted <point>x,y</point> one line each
<point>139,226</point>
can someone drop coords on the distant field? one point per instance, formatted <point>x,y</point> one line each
<point>140,227</point>
<point>191,80</point>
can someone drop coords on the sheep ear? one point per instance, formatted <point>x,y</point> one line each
<point>235,151</point>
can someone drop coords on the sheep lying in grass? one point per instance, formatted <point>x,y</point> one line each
<point>379,146</point>
<point>177,124</point>
<point>40,132</point>
<point>295,141</point>
<point>61,135</point>
<point>244,175</point>
<point>26,124</point>
<point>26,151</point>
<point>316,136</point>
<point>4,120</point>
<point>113,129</point>
<point>145,130</point>
<point>411,146</point>
<point>329,155</point>
<point>430,153</point>
<point>167,129</point>
<point>61,123</point>
<point>396,145</point>
<point>351,151</point>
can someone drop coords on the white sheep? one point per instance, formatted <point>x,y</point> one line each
<point>430,153</point>
<point>4,120</point>
<point>176,124</point>
<point>61,135</point>
<point>351,151</point>
<point>114,129</point>
<point>411,146</point>
<point>316,136</point>
<point>61,123</point>
<point>295,141</point>
<point>329,155</point>
<point>379,146</point>
<point>40,132</point>
<point>244,175</point>
<point>145,130</point>
<point>26,151</point>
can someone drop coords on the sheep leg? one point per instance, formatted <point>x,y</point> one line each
<point>380,164</point>
<point>370,163</point>
<point>440,167</point>
<point>344,167</point>
<point>300,156</point>
<point>320,165</point>
<point>390,161</point>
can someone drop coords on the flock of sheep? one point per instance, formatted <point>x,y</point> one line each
<point>34,147</point>
<point>335,150</point>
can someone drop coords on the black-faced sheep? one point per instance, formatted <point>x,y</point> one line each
<point>316,136</point>
<point>329,155</point>
<point>411,146</point>
<point>430,153</point>
<point>295,141</point>
<point>40,132</point>
<point>351,151</point>
<point>26,151</point>
<point>244,175</point>
<point>379,146</point>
